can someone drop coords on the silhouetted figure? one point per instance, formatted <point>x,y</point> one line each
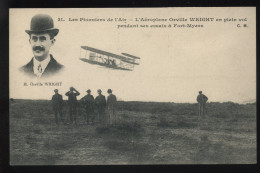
<point>106,62</point>
<point>57,104</point>
<point>114,62</point>
<point>89,103</point>
<point>72,101</point>
<point>111,106</point>
<point>201,99</point>
<point>100,102</point>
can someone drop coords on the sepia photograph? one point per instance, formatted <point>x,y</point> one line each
<point>41,38</point>
<point>132,86</point>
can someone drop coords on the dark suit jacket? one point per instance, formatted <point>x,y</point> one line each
<point>52,68</point>
<point>202,99</point>
<point>72,98</point>
<point>57,101</point>
<point>100,101</point>
<point>111,100</point>
<point>88,101</point>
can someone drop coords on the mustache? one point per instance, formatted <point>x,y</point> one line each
<point>40,48</point>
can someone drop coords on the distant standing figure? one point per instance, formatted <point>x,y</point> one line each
<point>111,106</point>
<point>57,103</point>
<point>100,102</point>
<point>114,62</point>
<point>201,99</point>
<point>89,102</point>
<point>72,101</point>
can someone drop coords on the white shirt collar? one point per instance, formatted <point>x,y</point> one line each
<point>43,65</point>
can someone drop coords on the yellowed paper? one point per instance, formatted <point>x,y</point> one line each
<point>182,51</point>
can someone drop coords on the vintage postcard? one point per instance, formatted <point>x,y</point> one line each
<point>121,86</point>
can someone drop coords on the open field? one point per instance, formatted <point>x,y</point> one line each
<point>148,133</point>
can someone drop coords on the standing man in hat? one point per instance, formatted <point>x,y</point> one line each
<point>42,33</point>
<point>201,99</point>
<point>111,105</point>
<point>100,102</point>
<point>57,103</point>
<point>89,102</point>
<point>72,101</point>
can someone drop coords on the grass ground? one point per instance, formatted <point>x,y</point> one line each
<point>148,133</point>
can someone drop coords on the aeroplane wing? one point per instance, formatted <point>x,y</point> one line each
<point>122,58</point>
<point>132,56</point>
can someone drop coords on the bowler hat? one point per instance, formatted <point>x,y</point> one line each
<point>88,91</point>
<point>99,90</point>
<point>42,23</point>
<point>56,90</point>
<point>109,91</point>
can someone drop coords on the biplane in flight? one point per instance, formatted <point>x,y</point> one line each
<point>109,60</point>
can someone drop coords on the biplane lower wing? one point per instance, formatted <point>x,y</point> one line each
<point>129,62</point>
<point>102,64</point>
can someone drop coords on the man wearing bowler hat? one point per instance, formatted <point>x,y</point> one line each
<point>42,33</point>
<point>111,106</point>
<point>89,102</point>
<point>100,102</point>
<point>57,103</point>
<point>72,102</point>
<point>201,99</point>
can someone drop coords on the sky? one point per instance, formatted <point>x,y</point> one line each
<point>176,63</point>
